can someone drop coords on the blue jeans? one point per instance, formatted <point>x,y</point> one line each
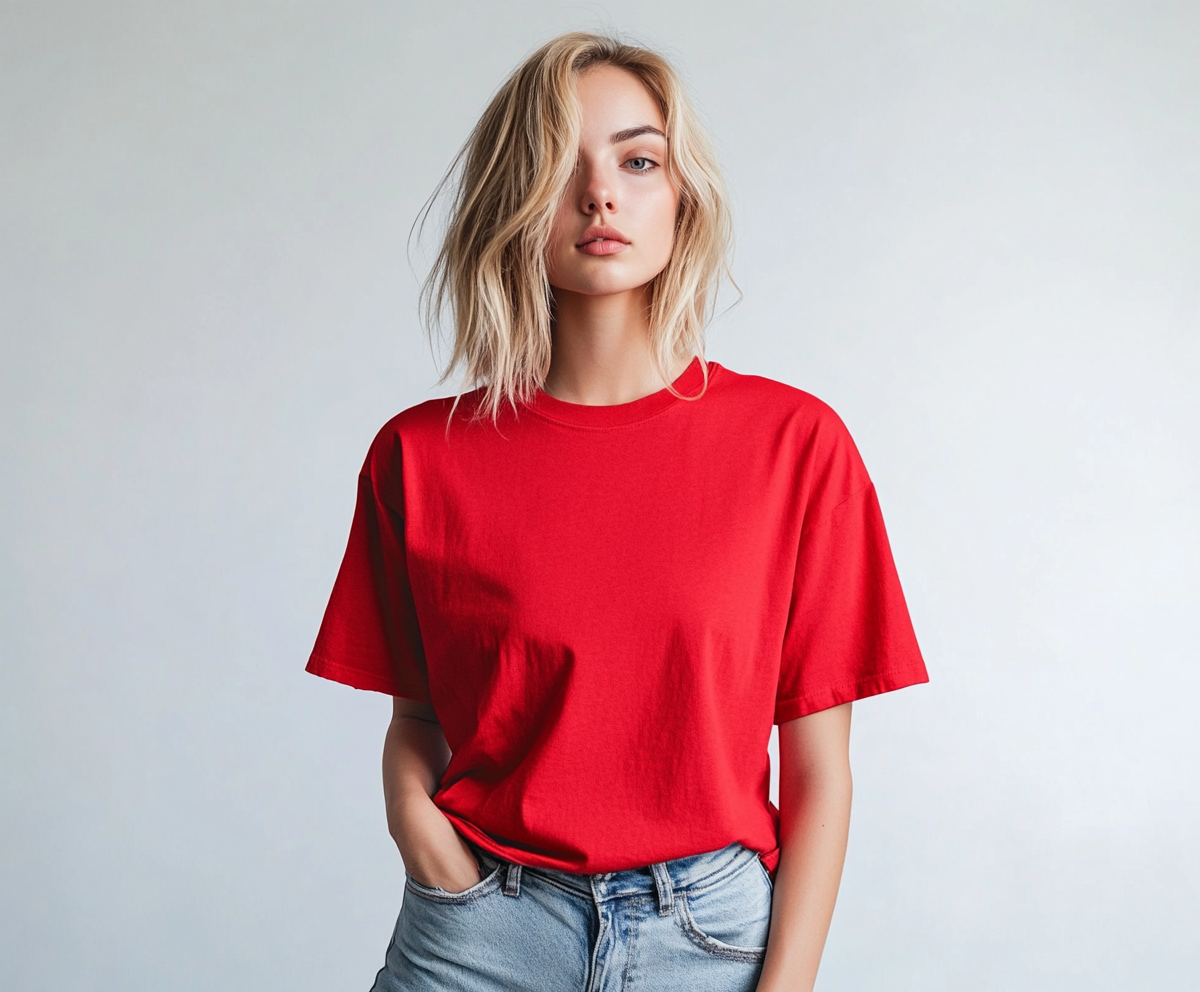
<point>696,924</point>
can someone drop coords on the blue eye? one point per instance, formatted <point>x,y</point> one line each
<point>641,164</point>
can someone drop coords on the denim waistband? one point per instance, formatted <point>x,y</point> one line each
<point>684,873</point>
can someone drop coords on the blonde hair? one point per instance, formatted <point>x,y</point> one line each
<point>508,179</point>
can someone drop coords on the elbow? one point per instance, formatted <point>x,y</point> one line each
<point>827,785</point>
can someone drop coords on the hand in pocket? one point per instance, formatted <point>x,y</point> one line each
<point>434,853</point>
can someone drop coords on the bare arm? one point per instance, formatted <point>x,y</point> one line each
<point>814,810</point>
<point>415,755</point>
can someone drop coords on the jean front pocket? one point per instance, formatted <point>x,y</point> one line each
<point>766,874</point>
<point>729,916</point>
<point>485,886</point>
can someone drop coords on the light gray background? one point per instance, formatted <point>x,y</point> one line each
<point>970,227</point>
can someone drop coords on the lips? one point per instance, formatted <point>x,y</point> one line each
<point>602,240</point>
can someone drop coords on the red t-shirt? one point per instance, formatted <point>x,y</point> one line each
<point>609,607</point>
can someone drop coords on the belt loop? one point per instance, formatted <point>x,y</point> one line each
<point>512,880</point>
<point>666,891</point>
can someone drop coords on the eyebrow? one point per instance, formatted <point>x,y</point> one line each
<point>634,132</point>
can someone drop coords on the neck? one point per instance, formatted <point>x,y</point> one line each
<point>601,352</point>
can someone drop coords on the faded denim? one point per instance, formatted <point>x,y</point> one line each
<point>698,924</point>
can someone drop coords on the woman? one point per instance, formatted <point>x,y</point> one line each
<point>593,583</point>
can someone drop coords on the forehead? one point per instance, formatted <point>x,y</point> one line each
<point>613,99</point>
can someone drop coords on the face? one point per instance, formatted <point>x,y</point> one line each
<point>615,225</point>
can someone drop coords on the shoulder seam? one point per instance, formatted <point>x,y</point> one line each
<point>857,492</point>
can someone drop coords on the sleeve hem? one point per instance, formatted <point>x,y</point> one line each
<point>846,692</point>
<point>357,678</point>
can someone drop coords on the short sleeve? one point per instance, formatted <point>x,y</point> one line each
<point>848,632</point>
<point>369,637</point>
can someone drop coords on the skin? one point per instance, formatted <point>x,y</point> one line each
<point>815,787</point>
<point>601,356</point>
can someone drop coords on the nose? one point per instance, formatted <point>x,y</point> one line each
<point>597,191</point>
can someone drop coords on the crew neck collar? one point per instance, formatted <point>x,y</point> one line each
<point>689,383</point>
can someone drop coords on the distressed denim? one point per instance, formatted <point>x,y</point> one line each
<point>695,924</point>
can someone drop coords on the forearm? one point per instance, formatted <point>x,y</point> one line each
<point>815,789</point>
<point>415,755</point>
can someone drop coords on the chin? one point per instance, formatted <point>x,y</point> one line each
<point>611,285</point>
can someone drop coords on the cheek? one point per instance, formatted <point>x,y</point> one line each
<point>661,212</point>
<point>558,232</point>
<point>561,243</point>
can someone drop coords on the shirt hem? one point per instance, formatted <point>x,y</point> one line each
<point>357,678</point>
<point>846,692</point>
<point>508,851</point>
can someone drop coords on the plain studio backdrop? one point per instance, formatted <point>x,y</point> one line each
<point>972,228</point>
